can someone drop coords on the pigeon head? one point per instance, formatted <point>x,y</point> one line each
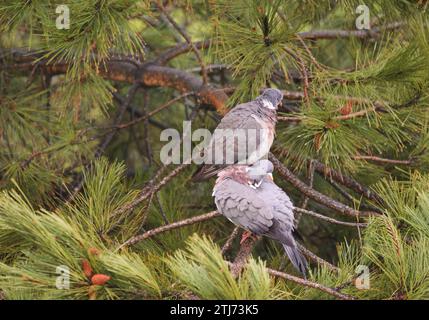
<point>271,98</point>
<point>259,170</point>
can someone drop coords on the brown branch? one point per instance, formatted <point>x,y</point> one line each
<point>148,74</point>
<point>352,115</point>
<point>243,255</point>
<point>378,107</point>
<point>346,181</point>
<point>337,33</point>
<point>328,219</point>
<point>289,119</point>
<point>176,51</point>
<point>152,113</point>
<point>315,195</point>
<point>342,179</point>
<point>230,240</point>
<point>310,284</point>
<point>150,189</point>
<point>168,227</point>
<point>310,54</point>
<point>382,160</point>
<point>317,259</point>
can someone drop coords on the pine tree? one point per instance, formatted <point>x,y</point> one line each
<point>84,191</point>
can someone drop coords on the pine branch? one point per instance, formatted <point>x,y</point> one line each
<point>243,255</point>
<point>338,33</point>
<point>176,51</point>
<point>168,227</point>
<point>315,195</point>
<point>346,181</point>
<point>151,113</point>
<point>138,113</point>
<point>305,199</point>
<point>328,219</point>
<point>310,284</point>
<point>343,179</point>
<point>382,160</point>
<point>150,189</point>
<point>230,240</point>
<point>163,58</point>
<point>149,74</point>
<point>317,259</point>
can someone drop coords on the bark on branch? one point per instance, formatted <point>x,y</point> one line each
<point>168,227</point>
<point>310,284</point>
<point>315,195</point>
<point>149,74</point>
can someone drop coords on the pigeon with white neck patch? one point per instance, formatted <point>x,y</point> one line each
<point>244,135</point>
<point>249,198</point>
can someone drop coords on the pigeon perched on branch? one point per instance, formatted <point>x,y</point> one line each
<point>248,197</point>
<point>244,135</point>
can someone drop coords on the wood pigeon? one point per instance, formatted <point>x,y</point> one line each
<point>255,120</point>
<point>249,198</point>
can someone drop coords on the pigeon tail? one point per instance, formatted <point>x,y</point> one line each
<point>297,259</point>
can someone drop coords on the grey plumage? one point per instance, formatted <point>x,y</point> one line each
<point>258,116</point>
<point>249,198</point>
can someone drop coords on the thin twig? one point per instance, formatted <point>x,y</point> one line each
<point>310,54</point>
<point>304,73</point>
<point>349,197</point>
<point>304,203</point>
<point>328,219</point>
<point>161,209</point>
<point>150,189</point>
<point>188,40</point>
<point>315,195</point>
<point>150,114</point>
<point>168,227</point>
<point>317,259</point>
<point>341,178</point>
<point>130,95</point>
<point>382,160</point>
<point>337,33</point>
<point>310,284</point>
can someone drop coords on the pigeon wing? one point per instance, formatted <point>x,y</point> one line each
<point>283,223</point>
<point>282,210</point>
<point>241,205</point>
<point>240,123</point>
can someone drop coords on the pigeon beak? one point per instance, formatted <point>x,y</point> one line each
<point>270,176</point>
